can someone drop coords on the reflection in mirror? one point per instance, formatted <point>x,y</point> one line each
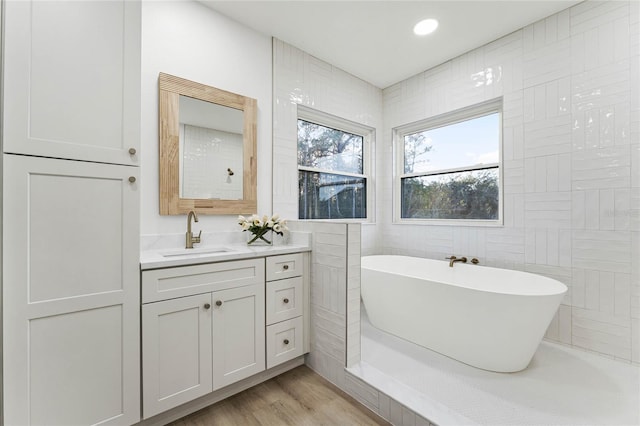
<point>207,149</point>
<point>210,150</point>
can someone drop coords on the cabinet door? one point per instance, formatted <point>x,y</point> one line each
<point>72,79</point>
<point>176,352</point>
<point>71,301</point>
<point>238,334</point>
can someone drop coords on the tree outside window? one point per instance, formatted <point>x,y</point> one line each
<point>331,179</point>
<point>451,170</point>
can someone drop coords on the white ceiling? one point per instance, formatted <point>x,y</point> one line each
<point>374,40</point>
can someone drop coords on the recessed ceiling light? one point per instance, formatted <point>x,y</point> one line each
<point>426,26</point>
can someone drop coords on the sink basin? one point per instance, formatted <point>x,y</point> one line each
<point>195,251</point>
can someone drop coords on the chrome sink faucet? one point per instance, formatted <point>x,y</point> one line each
<point>453,259</point>
<point>190,239</point>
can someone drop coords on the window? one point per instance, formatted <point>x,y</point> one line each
<point>449,167</point>
<point>332,168</point>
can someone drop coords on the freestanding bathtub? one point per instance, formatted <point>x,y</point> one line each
<point>489,318</point>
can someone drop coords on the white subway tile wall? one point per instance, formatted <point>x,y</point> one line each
<point>208,155</point>
<point>301,79</point>
<point>571,93</point>
<point>335,260</point>
<point>353,293</point>
<point>571,152</point>
<point>335,322</point>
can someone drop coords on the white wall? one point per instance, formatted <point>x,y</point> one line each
<point>571,165</point>
<point>189,40</point>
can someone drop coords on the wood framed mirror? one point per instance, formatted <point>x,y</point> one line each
<point>207,149</point>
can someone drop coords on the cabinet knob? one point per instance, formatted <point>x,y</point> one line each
<point>132,179</point>
<point>285,267</point>
<point>132,151</point>
<point>218,302</point>
<point>285,341</point>
<point>207,305</point>
<point>285,300</point>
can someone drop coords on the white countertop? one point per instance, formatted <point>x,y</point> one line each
<point>165,251</point>
<point>153,259</point>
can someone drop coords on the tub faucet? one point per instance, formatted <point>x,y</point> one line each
<point>190,239</point>
<point>453,259</point>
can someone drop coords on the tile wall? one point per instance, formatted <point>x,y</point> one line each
<point>301,79</point>
<point>208,154</point>
<point>335,316</point>
<point>336,247</point>
<point>571,166</point>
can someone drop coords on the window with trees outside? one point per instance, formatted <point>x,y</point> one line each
<point>332,175</point>
<point>449,167</point>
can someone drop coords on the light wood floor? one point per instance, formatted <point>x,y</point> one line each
<point>298,397</point>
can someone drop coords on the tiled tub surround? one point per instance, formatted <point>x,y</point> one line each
<point>335,316</point>
<point>335,296</point>
<point>571,159</point>
<point>551,75</point>
<point>571,165</point>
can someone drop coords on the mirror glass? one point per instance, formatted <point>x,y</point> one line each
<point>207,149</point>
<point>210,150</point>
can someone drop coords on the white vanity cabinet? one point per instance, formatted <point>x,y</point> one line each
<point>194,344</point>
<point>207,327</point>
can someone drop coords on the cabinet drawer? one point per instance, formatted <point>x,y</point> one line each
<point>284,341</point>
<point>284,299</point>
<point>169,283</point>
<point>285,266</point>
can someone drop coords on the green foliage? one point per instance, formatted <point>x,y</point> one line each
<point>329,195</point>
<point>466,195</point>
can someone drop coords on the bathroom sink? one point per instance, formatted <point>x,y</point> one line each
<point>195,252</point>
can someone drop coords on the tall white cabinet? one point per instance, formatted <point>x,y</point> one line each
<point>70,212</point>
<point>72,79</point>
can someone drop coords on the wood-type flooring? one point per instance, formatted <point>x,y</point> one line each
<point>299,397</point>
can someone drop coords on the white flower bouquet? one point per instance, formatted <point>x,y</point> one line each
<point>260,226</point>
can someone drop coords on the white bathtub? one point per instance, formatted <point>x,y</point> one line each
<point>489,318</point>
